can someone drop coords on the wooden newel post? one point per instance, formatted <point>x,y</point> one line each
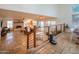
<point>64,27</point>
<point>27,41</point>
<point>34,36</point>
<point>56,28</point>
<point>48,30</point>
<point>61,27</point>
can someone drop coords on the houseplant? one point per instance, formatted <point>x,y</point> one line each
<point>67,28</point>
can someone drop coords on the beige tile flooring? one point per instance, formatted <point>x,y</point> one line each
<point>15,42</point>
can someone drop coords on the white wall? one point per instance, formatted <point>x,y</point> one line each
<point>42,9</point>
<point>64,13</point>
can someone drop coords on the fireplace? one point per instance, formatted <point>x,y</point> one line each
<point>18,26</point>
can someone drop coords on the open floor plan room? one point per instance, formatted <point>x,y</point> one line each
<point>39,29</point>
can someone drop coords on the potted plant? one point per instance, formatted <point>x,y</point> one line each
<point>67,27</point>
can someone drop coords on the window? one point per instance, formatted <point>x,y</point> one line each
<point>75,16</point>
<point>25,23</point>
<point>75,8</point>
<point>40,24</point>
<point>10,24</point>
<point>35,23</point>
<point>49,23</point>
<point>53,22</point>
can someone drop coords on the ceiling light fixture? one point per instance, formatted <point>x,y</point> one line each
<point>42,17</point>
